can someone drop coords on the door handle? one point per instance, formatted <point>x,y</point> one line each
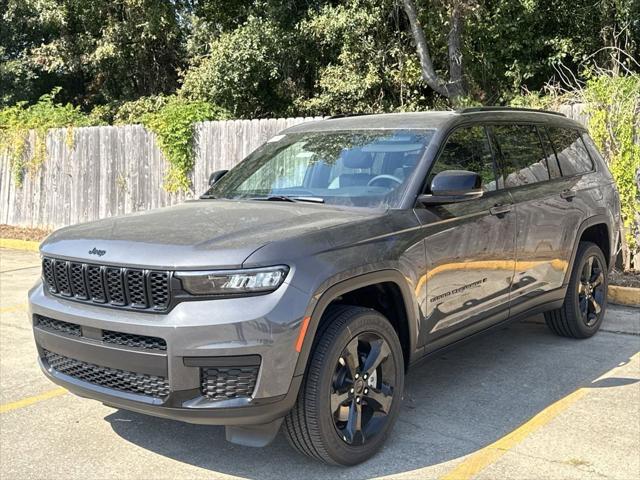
<point>568,194</point>
<point>500,210</point>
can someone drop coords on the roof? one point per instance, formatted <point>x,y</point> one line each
<point>391,121</point>
<point>430,119</point>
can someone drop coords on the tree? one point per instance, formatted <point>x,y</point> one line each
<point>362,59</point>
<point>98,52</point>
<point>453,88</point>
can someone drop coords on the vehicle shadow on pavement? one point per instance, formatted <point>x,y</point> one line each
<point>455,404</point>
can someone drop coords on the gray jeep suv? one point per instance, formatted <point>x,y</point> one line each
<point>304,283</point>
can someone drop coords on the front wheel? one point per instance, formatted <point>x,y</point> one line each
<point>351,394</point>
<point>583,310</point>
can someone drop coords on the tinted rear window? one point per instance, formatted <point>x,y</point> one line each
<point>523,157</point>
<point>571,151</point>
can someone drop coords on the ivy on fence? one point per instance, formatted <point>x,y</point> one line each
<point>171,119</point>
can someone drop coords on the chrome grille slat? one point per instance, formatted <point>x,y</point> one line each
<point>120,287</point>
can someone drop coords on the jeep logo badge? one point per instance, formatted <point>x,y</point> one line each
<point>95,251</point>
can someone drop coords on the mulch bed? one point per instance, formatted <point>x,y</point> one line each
<point>625,279</point>
<point>23,233</point>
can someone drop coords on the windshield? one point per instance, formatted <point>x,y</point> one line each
<point>367,168</point>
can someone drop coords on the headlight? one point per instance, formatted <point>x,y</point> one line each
<point>233,282</point>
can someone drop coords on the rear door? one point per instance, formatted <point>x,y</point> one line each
<point>546,218</point>
<point>470,246</point>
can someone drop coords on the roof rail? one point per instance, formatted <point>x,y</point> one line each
<point>507,109</point>
<point>345,115</point>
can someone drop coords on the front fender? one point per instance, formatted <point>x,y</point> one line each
<point>323,298</point>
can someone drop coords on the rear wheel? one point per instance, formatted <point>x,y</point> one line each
<point>583,310</point>
<point>351,393</point>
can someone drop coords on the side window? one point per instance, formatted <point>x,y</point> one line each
<point>552,161</point>
<point>591,147</point>
<point>467,149</point>
<point>523,157</point>
<point>572,153</point>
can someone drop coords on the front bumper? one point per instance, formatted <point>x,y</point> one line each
<point>197,334</point>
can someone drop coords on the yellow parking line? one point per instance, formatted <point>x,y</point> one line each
<point>481,459</point>
<point>25,402</point>
<point>491,453</point>
<point>13,308</point>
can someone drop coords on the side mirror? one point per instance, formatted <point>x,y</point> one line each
<point>217,175</point>
<point>453,186</point>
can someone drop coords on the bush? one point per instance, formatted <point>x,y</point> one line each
<point>244,72</point>
<point>613,104</point>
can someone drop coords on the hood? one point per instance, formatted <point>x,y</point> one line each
<point>195,235</point>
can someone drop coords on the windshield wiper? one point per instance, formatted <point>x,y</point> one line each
<point>286,198</point>
<point>207,196</point>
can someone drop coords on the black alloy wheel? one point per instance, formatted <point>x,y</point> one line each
<point>352,389</point>
<point>362,388</point>
<point>582,312</point>
<point>591,293</point>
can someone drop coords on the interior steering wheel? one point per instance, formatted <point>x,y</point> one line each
<point>383,177</point>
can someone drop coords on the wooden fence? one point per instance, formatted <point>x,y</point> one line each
<point>110,171</point>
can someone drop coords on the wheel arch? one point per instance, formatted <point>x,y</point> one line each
<point>408,326</point>
<point>596,229</point>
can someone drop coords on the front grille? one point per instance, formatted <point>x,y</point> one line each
<point>115,286</point>
<point>58,326</point>
<point>131,340</point>
<point>138,383</point>
<point>223,383</point>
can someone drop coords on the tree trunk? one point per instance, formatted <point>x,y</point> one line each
<point>453,88</point>
<point>454,42</point>
<point>428,73</point>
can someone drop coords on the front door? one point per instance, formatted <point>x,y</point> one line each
<point>470,246</point>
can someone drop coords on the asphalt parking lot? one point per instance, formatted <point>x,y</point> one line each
<point>517,403</point>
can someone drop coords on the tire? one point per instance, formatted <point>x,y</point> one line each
<point>319,429</point>
<point>570,320</point>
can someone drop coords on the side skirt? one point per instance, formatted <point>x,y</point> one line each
<point>542,303</point>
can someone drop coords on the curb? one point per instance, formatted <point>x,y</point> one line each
<point>15,244</point>
<point>629,296</point>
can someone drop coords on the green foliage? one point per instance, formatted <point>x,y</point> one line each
<point>366,62</point>
<point>174,125</point>
<point>99,51</point>
<point>259,58</point>
<point>18,121</point>
<point>245,72</point>
<point>614,123</point>
<point>133,111</point>
<point>514,45</point>
<point>171,118</point>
